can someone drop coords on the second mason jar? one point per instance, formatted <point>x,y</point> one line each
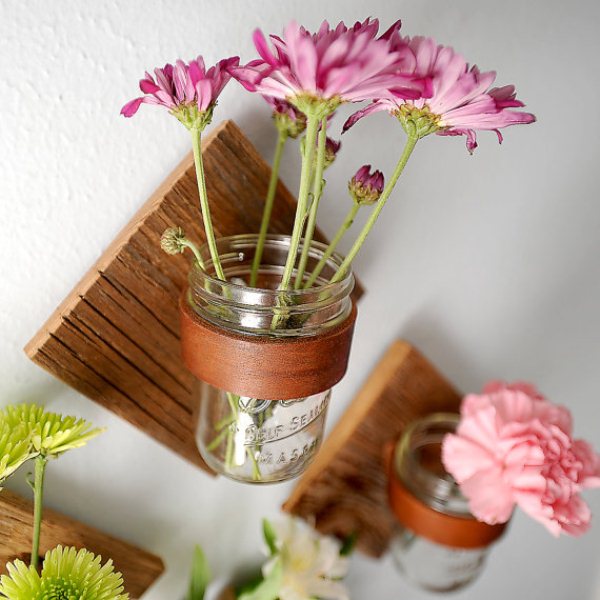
<point>264,359</point>
<point>438,543</point>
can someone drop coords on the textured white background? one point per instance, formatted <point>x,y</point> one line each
<point>488,263</point>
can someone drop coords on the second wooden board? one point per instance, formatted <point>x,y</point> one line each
<point>344,491</point>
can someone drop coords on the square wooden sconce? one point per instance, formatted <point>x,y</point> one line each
<point>115,338</point>
<point>139,568</point>
<point>344,491</point>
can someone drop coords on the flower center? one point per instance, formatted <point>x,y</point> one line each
<point>59,589</point>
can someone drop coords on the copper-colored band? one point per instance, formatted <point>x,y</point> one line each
<point>264,367</point>
<point>448,530</point>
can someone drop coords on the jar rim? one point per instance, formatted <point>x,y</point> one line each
<point>335,258</point>
<point>268,310</point>
<point>433,489</point>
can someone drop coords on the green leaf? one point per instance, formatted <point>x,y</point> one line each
<point>200,577</point>
<point>269,588</point>
<point>270,536</point>
<point>249,586</point>
<point>348,544</point>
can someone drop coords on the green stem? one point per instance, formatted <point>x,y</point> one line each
<point>312,126</point>
<point>317,192</point>
<point>218,439</point>
<point>266,218</point>
<point>256,475</point>
<point>229,452</point>
<point>195,251</point>
<point>233,399</point>
<point>38,495</point>
<point>411,142</point>
<point>219,425</point>
<point>333,244</point>
<point>208,228</point>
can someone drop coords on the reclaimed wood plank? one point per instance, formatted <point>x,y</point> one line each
<point>344,490</point>
<point>139,568</point>
<point>115,337</point>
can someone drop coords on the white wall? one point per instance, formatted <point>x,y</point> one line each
<point>488,263</point>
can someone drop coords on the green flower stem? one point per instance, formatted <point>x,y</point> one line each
<point>229,451</point>
<point>224,422</point>
<point>219,438</point>
<point>266,218</point>
<point>411,142</point>
<point>38,495</point>
<point>333,244</point>
<point>195,251</point>
<point>317,192</point>
<point>233,399</point>
<point>312,126</point>
<point>256,476</point>
<point>208,228</point>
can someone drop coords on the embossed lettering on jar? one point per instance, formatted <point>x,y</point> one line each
<point>264,359</point>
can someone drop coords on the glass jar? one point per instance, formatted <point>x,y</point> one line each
<point>438,543</point>
<point>264,359</point>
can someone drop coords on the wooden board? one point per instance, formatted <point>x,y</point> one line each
<point>115,338</point>
<point>345,489</point>
<point>139,568</point>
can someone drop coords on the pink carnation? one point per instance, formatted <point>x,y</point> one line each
<point>461,102</point>
<point>342,64</point>
<point>183,85</point>
<point>514,448</point>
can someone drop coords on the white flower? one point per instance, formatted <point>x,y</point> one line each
<point>311,565</point>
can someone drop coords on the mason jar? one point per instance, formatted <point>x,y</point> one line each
<point>438,544</point>
<point>264,359</point>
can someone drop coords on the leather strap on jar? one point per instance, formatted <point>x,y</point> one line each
<point>265,367</point>
<point>448,530</point>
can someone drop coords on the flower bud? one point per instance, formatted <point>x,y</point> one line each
<point>366,187</point>
<point>287,118</point>
<point>172,240</point>
<point>332,147</point>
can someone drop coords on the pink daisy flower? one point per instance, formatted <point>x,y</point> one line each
<point>331,66</point>
<point>461,103</point>
<point>188,90</point>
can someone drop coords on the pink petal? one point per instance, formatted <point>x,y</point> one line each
<point>359,114</point>
<point>589,477</point>
<point>463,458</point>
<point>204,94</point>
<point>263,48</point>
<point>131,107</point>
<point>490,500</point>
<point>148,86</point>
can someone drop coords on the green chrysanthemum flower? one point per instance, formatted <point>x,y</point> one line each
<point>15,448</point>
<point>50,434</point>
<point>67,574</point>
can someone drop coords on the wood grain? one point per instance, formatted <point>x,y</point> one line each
<point>115,338</point>
<point>139,568</point>
<point>345,489</point>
